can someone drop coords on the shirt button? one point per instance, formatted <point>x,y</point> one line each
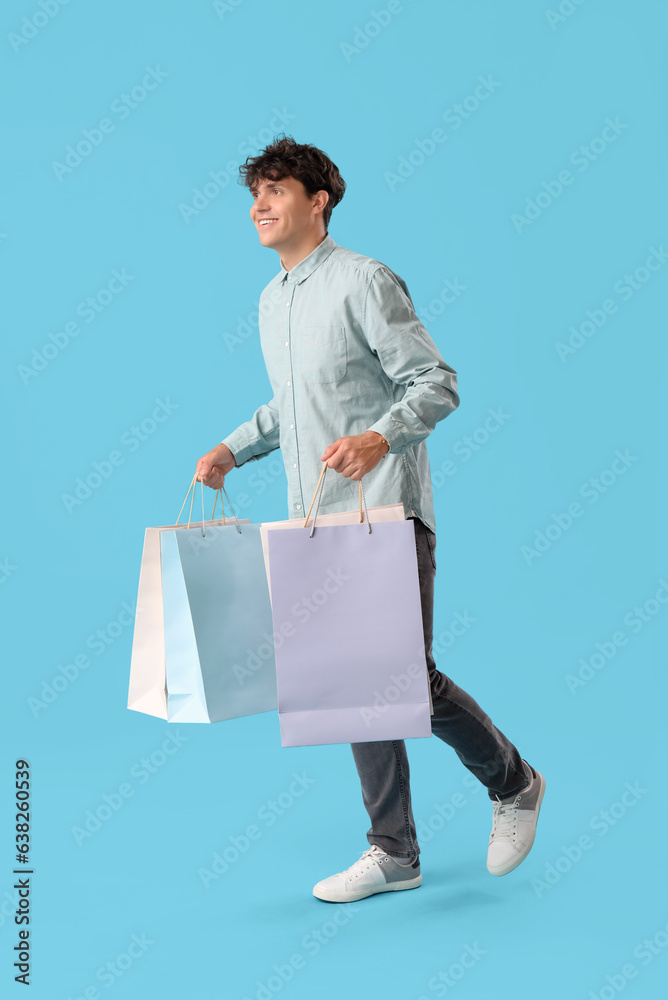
<point>288,383</point>
<point>292,427</point>
<point>287,343</point>
<point>294,465</point>
<point>299,506</point>
<point>287,304</point>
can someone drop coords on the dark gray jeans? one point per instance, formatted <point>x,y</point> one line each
<point>458,720</point>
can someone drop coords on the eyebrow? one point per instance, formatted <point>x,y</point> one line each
<point>255,187</point>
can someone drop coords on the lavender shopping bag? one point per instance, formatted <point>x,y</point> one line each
<point>351,666</point>
<point>388,512</point>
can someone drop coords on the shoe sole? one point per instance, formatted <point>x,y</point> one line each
<point>352,897</point>
<point>520,859</point>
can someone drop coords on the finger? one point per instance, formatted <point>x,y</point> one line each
<point>331,451</point>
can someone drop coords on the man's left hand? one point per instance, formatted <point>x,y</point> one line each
<point>355,455</point>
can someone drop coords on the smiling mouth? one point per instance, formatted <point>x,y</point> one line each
<point>266,222</point>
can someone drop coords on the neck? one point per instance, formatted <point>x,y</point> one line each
<point>291,256</point>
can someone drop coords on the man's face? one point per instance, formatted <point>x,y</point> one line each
<point>283,213</point>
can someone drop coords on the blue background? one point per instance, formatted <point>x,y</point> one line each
<point>368,95</point>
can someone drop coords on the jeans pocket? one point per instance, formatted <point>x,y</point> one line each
<point>431,542</point>
<point>429,536</point>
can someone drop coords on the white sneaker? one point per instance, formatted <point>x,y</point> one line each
<point>375,871</point>
<point>514,826</point>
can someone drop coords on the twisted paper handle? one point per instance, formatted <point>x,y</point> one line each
<point>318,492</point>
<point>221,490</point>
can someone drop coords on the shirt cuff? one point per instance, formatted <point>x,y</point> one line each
<point>385,427</point>
<point>243,450</point>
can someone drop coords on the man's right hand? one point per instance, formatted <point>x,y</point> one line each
<point>214,466</point>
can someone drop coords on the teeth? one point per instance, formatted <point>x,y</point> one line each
<point>265,222</point>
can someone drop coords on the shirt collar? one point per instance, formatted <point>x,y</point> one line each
<point>308,265</point>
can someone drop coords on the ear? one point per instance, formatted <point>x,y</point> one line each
<point>320,199</point>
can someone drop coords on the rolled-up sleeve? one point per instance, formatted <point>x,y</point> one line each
<point>409,357</point>
<point>257,436</point>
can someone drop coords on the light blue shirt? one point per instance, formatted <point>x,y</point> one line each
<point>346,353</point>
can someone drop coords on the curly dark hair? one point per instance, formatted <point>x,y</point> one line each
<point>303,161</point>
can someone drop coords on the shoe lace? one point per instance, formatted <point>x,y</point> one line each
<point>372,856</point>
<point>504,818</point>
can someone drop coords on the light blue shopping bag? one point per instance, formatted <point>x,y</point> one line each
<point>219,650</point>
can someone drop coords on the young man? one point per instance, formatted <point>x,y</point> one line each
<point>354,372</point>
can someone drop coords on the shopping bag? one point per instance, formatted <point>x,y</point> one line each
<point>147,691</point>
<point>351,666</point>
<point>387,512</point>
<point>149,686</point>
<point>219,653</point>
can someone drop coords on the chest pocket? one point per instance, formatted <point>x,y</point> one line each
<point>324,353</point>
